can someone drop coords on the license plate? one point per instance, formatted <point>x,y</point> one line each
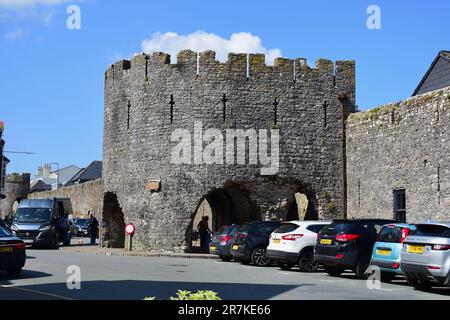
<point>235,248</point>
<point>416,249</point>
<point>212,248</point>
<point>383,252</point>
<point>326,241</point>
<point>28,241</point>
<point>6,249</point>
<point>276,241</point>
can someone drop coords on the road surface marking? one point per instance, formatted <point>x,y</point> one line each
<point>37,292</point>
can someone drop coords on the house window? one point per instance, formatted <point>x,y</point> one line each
<point>400,205</point>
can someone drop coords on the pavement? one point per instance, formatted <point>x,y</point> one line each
<point>86,248</point>
<point>125,277</point>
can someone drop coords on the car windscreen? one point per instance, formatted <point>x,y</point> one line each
<point>33,215</point>
<point>4,233</point>
<point>432,230</point>
<point>286,228</point>
<point>390,234</point>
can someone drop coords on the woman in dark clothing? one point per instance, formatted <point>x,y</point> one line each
<point>204,231</point>
<point>93,228</point>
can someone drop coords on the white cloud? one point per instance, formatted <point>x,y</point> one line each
<point>199,41</point>
<point>27,3</point>
<point>15,35</point>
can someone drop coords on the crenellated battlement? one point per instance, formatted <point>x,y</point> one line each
<point>23,178</point>
<point>190,63</point>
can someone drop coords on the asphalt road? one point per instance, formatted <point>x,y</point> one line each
<point>116,277</point>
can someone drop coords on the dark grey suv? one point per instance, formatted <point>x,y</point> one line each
<point>251,241</point>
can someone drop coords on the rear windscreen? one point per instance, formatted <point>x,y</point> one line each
<point>223,230</point>
<point>316,228</point>
<point>429,230</point>
<point>337,228</point>
<point>391,234</point>
<point>286,228</point>
<point>245,228</point>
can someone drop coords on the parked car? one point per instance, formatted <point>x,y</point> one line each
<point>293,244</point>
<point>12,253</point>
<point>387,250</point>
<point>36,221</point>
<point>251,240</point>
<point>426,255</point>
<point>348,244</point>
<point>80,227</point>
<point>221,242</point>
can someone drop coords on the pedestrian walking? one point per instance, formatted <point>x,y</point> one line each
<point>204,231</point>
<point>64,227</point>
<point>93,228</point>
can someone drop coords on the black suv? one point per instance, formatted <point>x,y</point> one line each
<point>251,241</point>
<point>348,244</point>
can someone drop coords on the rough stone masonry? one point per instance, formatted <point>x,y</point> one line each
<point>403,147</point>
<point>147,98</point>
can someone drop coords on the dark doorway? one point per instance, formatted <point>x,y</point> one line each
<point>400,205</point>
<point>113,229</point>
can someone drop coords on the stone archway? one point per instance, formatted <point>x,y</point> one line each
<point>224,206</point>
<point>113,227</point>
<point>302,208</point>
<point>15,205</point>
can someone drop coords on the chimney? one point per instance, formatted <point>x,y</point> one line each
<point>47,170</point>
<point>40,171</point>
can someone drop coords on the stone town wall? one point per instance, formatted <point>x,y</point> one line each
<point>85,197</point>
<point>404,145</point>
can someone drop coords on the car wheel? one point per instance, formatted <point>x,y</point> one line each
<point>306,262</point>
<point>333,271</point>
<point>14,271</point>
<point>419,284</point>
<point>53,245</point>
<point>226,258</point>
<point>285,266</point>
<point>259,257</point>
<point>361,268</point>
<point>387,276</point>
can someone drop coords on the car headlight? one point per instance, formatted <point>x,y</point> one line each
<point>14,228</point>
<point>45,228</point>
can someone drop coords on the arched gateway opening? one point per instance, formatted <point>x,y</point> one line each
<point>224,206</point>
<point>113,229</point>
<point>15,205</point>
<point>303,207</point>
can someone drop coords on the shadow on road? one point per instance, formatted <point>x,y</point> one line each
<point>138,290</point>
<point>25,274</point>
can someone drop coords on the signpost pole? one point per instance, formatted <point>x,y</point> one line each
<point>130,242</point>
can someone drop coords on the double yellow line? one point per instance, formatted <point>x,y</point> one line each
<point>37,292</point>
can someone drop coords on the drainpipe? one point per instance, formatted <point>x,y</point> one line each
<point>342,99</point>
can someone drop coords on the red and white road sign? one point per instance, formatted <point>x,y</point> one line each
<point>130,229</point>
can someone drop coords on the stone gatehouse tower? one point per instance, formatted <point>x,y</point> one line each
<point>17,188</point>
<point>148,98</point>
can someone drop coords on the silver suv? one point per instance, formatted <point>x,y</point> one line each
<point>426,255</point>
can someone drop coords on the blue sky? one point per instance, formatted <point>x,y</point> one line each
<point>52,77</point>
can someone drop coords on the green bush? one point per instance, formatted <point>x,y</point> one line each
<point>188,295</point>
